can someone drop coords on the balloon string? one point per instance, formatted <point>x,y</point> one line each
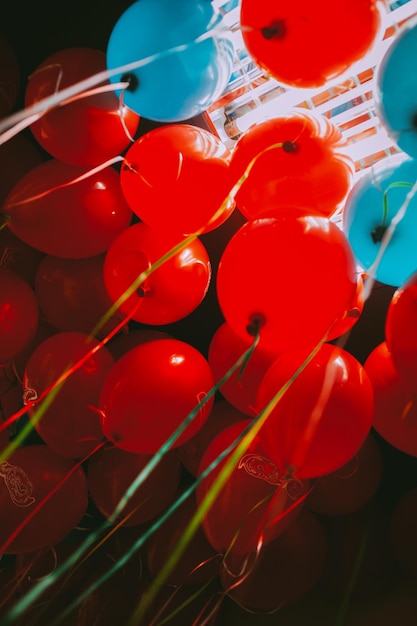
<point>386,240</point>
<point>244,441</point>
<point>208,619</point>
<point>114,309</point>
<point>156,620</point>
<point>31,597</point>
<point>122,117</point>
<point>47,396</point>
<point>22,119</point>
<point>53,389</point>
<point>44,500</point>
<point>69,183</point>
<point>385,198</point>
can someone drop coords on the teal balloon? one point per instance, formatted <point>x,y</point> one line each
<point>186,66</point>
<point>369,210</point>
<point>396,89</point>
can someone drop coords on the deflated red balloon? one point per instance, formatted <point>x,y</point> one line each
<point>172,291</point>
<point>150,391</point>
<point>19,315</point>
<point>31,475</point>
<point>323,418</point>
<point>70,425</point>
<point>88,131</point>
<point>295,161</point>
<point>111,471</point>
<point>290,277</point>
<point>176,178</point>
<point>92,211</point>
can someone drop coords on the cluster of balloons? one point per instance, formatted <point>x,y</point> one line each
<point>102,251</point>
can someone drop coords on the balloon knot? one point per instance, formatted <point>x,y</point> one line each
<point>276,30</point>
<point>354,313</point>
<point>289,146</point>
<point>378,233</point>
<point>133,81</point>
<point>256,321</point>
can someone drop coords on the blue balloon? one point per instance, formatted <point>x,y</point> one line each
<point>174,85</point>
<point>369,210</point>
<point>396,89</point>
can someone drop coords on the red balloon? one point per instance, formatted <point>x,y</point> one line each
<point>325,415</point>
<point>291,277</point>
<point>72,296</point>
<point>89,130</point>
<point>395,415</point>
<point>176,177</point>
<point>256,498</point>
<point>241,388</point>
<point>19,315</point>
<point>9,77</point>
<point>312,170</point>
<point>285,570</point>
<point>197,564</point>
<point>91,212</point>
<point>17,156</point>
<point>277,37</point>
<point>128,339</point>
<point>221,417</point>
<point>150,391</point>
<point>70,425</point>
<point>29,475</point>
<point>352,313</point>
<point>170,293</point>
<point>401,331</point>
<point>352,486</point>
<point>111,471</point>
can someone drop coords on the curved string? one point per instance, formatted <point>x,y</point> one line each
<point>13,124</point>
<point>45,499</point>
<point>237,449</point>
<point>26,602</point>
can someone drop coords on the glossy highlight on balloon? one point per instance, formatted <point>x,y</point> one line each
<point>164,173</point>
<point>190,58</point>
<point>294,276</point>
<point>89,130</point>
<point>278,35</point>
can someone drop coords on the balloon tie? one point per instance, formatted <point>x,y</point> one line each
<point>276,30</point>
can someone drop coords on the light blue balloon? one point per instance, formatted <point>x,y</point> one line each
<point>174,85</point>
<point>371,206</point>
<point>396,89</point>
